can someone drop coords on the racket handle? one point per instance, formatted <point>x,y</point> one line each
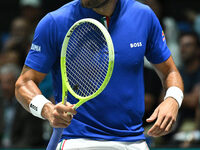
<point>57,133</point>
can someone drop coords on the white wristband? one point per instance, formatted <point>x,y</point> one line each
<point>175,93</point>
<point>36,105</point>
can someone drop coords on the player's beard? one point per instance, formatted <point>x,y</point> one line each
<point>94,3</point>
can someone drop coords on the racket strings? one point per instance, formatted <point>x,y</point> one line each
<point>87,59</point>
<point>88,56</point>
<point>88,88</point>
<point>81,80</point>
<point>86,43</point>
<point>77,76</point>
<point>86,67</point>
<point>97,45</point>
<point>78,79</point>
<point>92,67</point>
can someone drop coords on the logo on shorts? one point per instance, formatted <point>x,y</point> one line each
<point>36,48</point>
<point>137,44</point>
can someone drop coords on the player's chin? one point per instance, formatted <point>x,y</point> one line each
<point>87,4</point>
<point>93,3</point>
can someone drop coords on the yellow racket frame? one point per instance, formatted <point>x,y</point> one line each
<point>65,83</point>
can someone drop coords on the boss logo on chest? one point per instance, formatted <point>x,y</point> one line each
<point>137,44</point>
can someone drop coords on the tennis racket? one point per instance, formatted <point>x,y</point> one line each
<point>87,61</point>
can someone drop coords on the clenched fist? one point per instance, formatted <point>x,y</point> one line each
<point>60,115</point>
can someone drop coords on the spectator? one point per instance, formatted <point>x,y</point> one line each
<point>20,48</point>
<point>31,10</point>
<point>21,29</point>
<point>17,43</point>
<point>190,50</point>
<point>10,56</point>
<point>19,128</point>
<point>7,80</point>
<point>193,17</point>
<point>190,71</point>
<point>20,32</point>
<point>172,33</point>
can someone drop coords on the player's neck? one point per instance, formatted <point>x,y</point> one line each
<point>108,9</point>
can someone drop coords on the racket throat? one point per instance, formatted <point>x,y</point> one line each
<point>78,104</point>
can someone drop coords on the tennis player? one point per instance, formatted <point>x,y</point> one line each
<point>113,121</point>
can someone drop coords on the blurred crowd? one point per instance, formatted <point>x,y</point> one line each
<point>182,38</point>
<point>19,128</point>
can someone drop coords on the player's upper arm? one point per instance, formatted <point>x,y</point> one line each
<point>44,51</point>
<point>29,74</point>
<point>156,49</point>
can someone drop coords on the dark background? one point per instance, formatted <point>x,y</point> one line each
<point>175,8</point>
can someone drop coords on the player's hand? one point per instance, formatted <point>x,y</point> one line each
<point>58,115</point>
<point>164,116</point>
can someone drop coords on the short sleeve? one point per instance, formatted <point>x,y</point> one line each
<point>42,54</point>
<point>157,50</point>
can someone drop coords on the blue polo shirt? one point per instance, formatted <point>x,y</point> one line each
<point>116,114</point>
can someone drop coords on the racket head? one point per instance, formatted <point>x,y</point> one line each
<point>109,51</point>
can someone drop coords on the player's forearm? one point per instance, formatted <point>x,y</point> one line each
<point>25,91</point>
<point>173,78</point>
<point>174,87</point>
<point>169,74</point>
<point>166,112</point>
